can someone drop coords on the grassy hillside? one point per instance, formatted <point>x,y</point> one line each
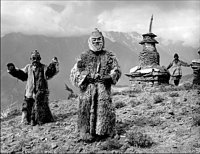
<point>161,120</point>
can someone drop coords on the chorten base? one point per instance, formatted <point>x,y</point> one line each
<point>148,76</point>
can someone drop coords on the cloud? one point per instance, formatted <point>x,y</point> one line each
<point>46,18</point>
<point>176,25</point>
<point>172,19</point>
<point>180,27</point>
<point>28,17</point>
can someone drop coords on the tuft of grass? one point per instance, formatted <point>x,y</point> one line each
<point>9,113</point>
<point>158,99</point>
<point>116,93</point>
<point>143,121</point>
<point>174,94</point>
<point>187,86</point>
<point>197,144</point>
<point>137,90</point>
<point>155,121</point>
<point>171,88</point>
<point>196,120</point>
<point>122,127</point>
<point>134,103</point>
<point>138,139</point>
<point>111,144</point>
<point>119,104</point>
<point>162,88</point>
<point>149,106</point>
<point>128,92</point>
<point>140,121</point>
<point>132,95</point>
<point>43,148</point>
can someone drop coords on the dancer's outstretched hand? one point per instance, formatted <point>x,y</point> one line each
<point>11,67</point>
<point>55,60</point>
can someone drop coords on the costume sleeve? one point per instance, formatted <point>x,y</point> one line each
<point>78,77</point>
<point>21,74</point>
<point>115,72</point>
<point>170,65</point>
<point>52,70</point>
<point>184,64</point>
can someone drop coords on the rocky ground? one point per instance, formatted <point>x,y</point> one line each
<point>162,120</point>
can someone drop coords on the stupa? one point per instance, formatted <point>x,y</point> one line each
<point>149,71</point>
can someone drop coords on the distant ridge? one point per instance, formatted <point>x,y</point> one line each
<point>16,48</point>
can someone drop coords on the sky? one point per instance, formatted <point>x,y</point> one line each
<point>173,20</point>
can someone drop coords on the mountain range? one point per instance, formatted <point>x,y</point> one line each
<point>16,48</point>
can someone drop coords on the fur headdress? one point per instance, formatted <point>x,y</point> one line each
<point>95,34</point>
<point>36,54</point>
<point>176,55</point>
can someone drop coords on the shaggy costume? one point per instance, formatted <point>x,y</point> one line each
<point>36,93</point>
<point>96,115</point>
<point>176,69</point>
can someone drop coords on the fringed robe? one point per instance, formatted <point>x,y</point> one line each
<point>36,92</point>
<point>96,114</point>
<point>176,72</point>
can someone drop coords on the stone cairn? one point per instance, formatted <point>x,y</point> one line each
<point>149,71</point>
<point>196,70</point>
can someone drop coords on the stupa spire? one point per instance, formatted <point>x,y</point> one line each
<point>150,26</point>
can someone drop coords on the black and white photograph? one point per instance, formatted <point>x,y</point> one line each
<point>97,76</point>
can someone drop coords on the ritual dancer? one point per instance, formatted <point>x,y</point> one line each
<point>176,69</point>
<point>94,73</point>
<point>35,108</point>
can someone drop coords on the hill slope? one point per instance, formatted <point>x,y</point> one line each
<point>170,119</point>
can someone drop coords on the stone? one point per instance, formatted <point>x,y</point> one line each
<point>130,150</point>
<point>54,145</point>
